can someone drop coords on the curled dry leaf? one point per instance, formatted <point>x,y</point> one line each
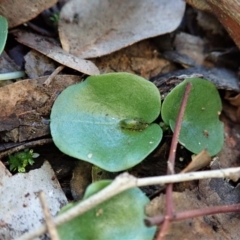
<point>232,106</point>
<point>92,29</point>
<point>190,45</point>
<point>51,48</point>
<point>201,160</point>
<point>227,13</point>
<point>23,11</point>
<point>234,100</point>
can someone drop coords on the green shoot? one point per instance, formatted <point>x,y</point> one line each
<point>19,161</point>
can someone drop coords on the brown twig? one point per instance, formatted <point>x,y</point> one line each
<point>171,163</point>
<point>25,145</point>
<point>54,73</point>
<point>48,218</point>
<point>193,214</point>
<point>42,31</point>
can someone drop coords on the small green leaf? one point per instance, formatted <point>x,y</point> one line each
<point>107,120</point>
<point>120,217</point>
<point>20,160</point>
<point>3,32</point>
<point>201,128</point>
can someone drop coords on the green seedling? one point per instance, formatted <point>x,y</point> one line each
<point>108,120</point>
<point>201,128</point>
<point>55,18</point>
<point>19,161</point>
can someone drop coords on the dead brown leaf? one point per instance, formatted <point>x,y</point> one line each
<point>197,228</point>
<point>92,29</point>
<point>140,58</point>
<point>20,11</point>
<point>38,65</point>
<point>234,100</point>
<point>28,106</point>
<point>201,160</point>
<point>50,47</point>
<point>227,13</point>
<point>190,45</point>
<point>231,106</point>
<point>229,155</point>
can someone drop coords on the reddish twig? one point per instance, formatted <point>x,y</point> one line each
<point>193,214</point>
<point>173,149</point>
<point>171,163</point>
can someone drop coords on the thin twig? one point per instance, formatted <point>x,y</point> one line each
<point>126,181</point>
<point>171,163</point>
<point>48,218</point>
<point>53,75</point>
<point>25,145</point>
<point>176,133</point>
<point>194,213</point>
<point>42,31</point>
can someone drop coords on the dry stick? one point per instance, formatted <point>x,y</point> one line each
<point>49,222</point>
<point>53,75</point>
<point>40,30</point>
<point>25,145</point>
<point>126,181</point>
<point>171,163</point>
<point>194,213</point>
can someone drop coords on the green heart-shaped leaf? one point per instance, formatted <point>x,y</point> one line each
<point>106,120</point>
<point>201,128</point>
<point>120,217</point>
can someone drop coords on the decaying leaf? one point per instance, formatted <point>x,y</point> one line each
<point>92,29</point>
<point>50,47</point>
<point>38,65</point>
<point>18,12</point>
<point>227,12</point>
<point>140,58</point>
<point>20,206</point>
<point>198,162</point>
<point>28,104</point>
<point>220,226</point>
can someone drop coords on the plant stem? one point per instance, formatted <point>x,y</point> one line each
<point>173,149</point>
<point>171,163</point>
<point>11,75</point>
